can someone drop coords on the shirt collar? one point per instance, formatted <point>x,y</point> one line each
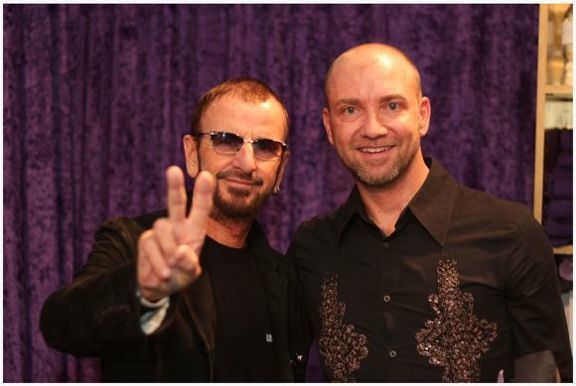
<point>432,205</point>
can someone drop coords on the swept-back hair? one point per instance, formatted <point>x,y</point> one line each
<point>248,89</point>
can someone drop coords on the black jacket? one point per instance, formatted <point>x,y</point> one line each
<point>98,314</point>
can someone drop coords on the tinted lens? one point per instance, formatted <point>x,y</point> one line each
<point>226,143</point>
<point>267,149</point>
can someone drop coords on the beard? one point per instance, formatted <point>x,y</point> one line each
<point>238,205</point>
<point>378,176</point>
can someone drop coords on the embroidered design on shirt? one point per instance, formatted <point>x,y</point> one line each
<point>341,346</point>
<point>456,339</point>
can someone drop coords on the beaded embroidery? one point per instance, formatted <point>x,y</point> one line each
<point>341,346</point>
<point>456,339</point>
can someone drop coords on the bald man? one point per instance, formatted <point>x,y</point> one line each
<point>416,278</point>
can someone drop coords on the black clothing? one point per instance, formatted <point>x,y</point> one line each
<point>243,334</point>
<point>464,286</point>
<point>98,314</point>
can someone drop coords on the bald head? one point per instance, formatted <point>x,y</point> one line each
<point>375,116</point>
<point>364,56</point>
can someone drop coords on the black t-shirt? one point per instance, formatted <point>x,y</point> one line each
<point>243,342</point>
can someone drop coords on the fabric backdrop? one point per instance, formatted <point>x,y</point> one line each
<point>97,98</point>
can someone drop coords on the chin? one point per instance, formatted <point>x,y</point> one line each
<point>236,193</point>
<point>239,206</point>
<point>374,177</point>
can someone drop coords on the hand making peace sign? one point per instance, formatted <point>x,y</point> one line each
<point>168,254</point>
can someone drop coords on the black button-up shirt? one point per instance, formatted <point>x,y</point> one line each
<point>465,285</point>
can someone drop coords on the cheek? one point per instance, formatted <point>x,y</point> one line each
<point>407,127</point>
<point>214,164</point>
<point>268,174</point>
<point>343,133</point>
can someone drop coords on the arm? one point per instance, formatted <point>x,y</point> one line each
<point>301,256</point>
<point>299,331</point>
<point>539,329</point>
<point>101,305</point>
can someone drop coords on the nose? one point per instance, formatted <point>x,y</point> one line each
<point>373,126</point>
<point>244,159</point>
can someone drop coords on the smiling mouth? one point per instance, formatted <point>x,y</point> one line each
<point>242,182</point>
<point>375,149</point>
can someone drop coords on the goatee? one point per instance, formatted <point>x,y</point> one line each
<point>237,207</point>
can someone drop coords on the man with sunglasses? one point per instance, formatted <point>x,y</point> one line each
<point>171,296</point>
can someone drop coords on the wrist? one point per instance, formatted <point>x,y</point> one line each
<point>150,299</point>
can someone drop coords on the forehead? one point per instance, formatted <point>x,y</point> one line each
<point>249,118</point>
<point>371,77</point>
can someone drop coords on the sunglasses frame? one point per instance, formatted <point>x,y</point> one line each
<point>253,142</point>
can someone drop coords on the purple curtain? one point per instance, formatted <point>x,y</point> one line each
<point>97,97</point>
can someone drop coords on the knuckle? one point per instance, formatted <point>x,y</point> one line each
<point>150,245</point>
<point>179,258</point>
<point>145,237</point>
<point>160,225</point>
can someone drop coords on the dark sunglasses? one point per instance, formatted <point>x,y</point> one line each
<point>229,144</point>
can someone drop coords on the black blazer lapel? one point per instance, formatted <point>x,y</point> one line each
<point>276,290</point>
<point>200,301</point>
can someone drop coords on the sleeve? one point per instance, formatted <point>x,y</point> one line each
<point>302,254</point>
<point>153,315</point>
<point>298,327</point>
<point>539,329</point>
<point>101,304</point>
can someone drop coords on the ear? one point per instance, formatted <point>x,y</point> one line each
<point>326,121</point>
<point>281,169</point>
<point>191,155</point>
<point>425,111</point>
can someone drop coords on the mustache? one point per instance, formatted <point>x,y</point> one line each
<point>240,176</point>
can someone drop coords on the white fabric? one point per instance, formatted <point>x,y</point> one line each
<point>151,320</point>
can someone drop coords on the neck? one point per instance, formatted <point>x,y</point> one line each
<point>229,232</point>
<point>385,204</point>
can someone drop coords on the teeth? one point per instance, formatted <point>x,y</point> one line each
<point>374,149</point>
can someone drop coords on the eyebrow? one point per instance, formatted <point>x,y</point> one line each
<point>347,101</point>
<point>391,97</point>
<point>355,101</point>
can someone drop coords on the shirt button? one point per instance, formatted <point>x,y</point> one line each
<point>385,244</point>
<point>392,354</point>
<point>387,298</point>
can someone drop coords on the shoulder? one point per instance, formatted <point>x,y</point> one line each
<point>482,201</point>
<point>317,238</point>
<point>481,209</point>
<point>324,226</point>
<point>128,228</point>
<point>145,221</point>
<point>473,209</point>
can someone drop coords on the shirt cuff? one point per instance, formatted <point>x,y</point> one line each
<point>151,319</point>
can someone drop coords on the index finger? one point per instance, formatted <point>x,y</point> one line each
<point>176,194</point>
